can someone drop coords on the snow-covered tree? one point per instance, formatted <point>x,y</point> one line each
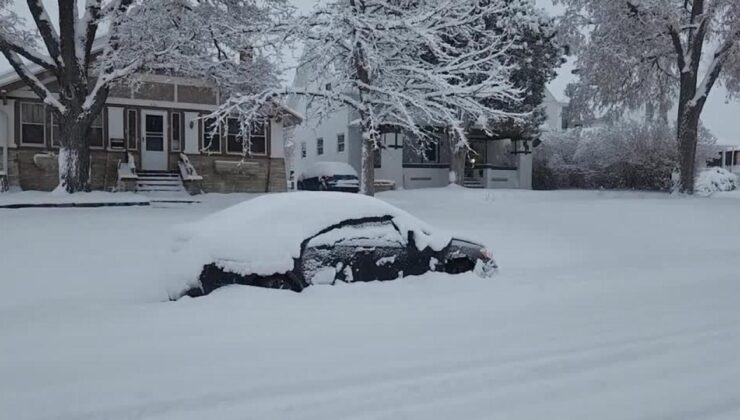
<point>89,50</point>
<point>534,56</point>
<point>404,65</point>
<point>650,53</point>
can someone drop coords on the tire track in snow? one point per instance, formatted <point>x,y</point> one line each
<point>360,395</point>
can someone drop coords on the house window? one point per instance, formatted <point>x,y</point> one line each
<point>303,150</point>
<point>378,157</point>
<point>430,152</point>
<point>234,142</point>
<point>95,135</point>
<point>33,123</point>
<point>176,131</point>
<point>211,136</point>
<point>319,146</point>
<point>421,151</point>
<point>340,143</point>
<point>258,139</point>
<point>56,132</point>
<point>132,129</point>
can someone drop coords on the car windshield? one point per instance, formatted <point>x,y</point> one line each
<point>462,242</point>
<point>370,234</point>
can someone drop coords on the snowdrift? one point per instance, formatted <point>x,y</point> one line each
<point>713,180</point>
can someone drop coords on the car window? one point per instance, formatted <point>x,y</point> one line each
<point>361,234</point>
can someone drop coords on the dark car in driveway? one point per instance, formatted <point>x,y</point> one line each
<point>363,239</point>
<point>329,176</point>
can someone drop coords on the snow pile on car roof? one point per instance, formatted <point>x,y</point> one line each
<point>264,235</point>
<point>320,169</point>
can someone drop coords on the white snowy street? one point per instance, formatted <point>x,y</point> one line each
<point>608,305</point>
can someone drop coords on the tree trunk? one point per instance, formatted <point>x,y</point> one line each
<point>457,165</point>
<point>74,156</point>
<point>367,178</point>
<point>688,135</point>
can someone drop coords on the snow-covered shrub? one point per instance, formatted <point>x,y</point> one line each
<point>626,155</point>
<point>554,161</point>
<point>712,180</point>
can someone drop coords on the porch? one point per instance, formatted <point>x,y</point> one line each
<point>498,163</point>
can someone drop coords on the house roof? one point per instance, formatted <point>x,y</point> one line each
<point>11,78</point>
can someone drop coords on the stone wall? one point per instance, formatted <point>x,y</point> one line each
<point>226,174</point>
<point>221,174</point>
<point>31,170</point>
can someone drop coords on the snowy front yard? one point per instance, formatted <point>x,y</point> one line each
<point>608,306</point>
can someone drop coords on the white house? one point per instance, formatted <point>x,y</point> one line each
<point>495,162</point>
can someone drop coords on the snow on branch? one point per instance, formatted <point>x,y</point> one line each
<point>404,64</point>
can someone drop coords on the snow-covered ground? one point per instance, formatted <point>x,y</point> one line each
<point>608,306</point>
<point>40,198</point>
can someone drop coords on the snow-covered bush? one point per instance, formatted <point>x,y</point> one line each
<point>627,155</point>
<point>712,180</point>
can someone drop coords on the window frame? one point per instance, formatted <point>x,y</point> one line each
<point>22,123</point>
<point>304,150</point>
<point>342,143</point>
<point>102,130</point>
<point>319,146</point>
<point>180,130</point>
<point>226,133</point>
<point>264,136</point>
<point>412,155</point>
<point>205,133</point>
<point>127,129</point>
<point>52,131</point>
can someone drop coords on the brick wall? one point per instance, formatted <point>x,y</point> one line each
<point>226,174</point>
<point>43,175</point>
<point>222,174</point>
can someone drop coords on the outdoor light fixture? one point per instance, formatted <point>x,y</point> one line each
<point>4,94</point>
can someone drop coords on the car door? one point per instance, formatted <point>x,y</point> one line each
<point>355,250</point>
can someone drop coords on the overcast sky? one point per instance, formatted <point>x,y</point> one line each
<point>722,116</point>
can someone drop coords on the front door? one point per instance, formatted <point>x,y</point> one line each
<point>154,141</point>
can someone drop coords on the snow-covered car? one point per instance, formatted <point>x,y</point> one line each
<point>329,176</point>
<point>295,240</point>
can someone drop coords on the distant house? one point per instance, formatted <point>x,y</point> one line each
<point>155,133</point>
<point>725,156</point>
<point>497,162</point>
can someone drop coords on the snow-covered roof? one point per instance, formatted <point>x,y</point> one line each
<point>11,76</point>
<point>264,235</point>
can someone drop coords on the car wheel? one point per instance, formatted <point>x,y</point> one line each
<point>276,282</point>
<point>460,265</point>
<point>284,282</point>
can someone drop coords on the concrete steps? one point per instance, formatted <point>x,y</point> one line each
<point>159,182</point>
<point>475,183</point>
